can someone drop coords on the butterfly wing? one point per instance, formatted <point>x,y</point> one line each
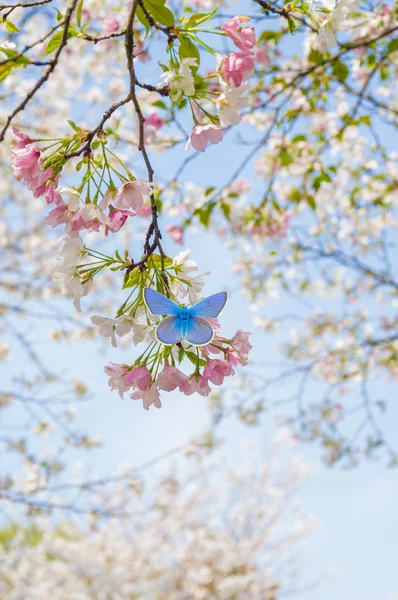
<point>159,304</point>
<point>199,331</point>
<point>168,332</point>
<point>210,307</point>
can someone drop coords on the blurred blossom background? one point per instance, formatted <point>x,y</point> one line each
<point>282,481</point>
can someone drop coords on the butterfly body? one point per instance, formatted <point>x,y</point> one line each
<point>183,319</point>
<point>182,322</point>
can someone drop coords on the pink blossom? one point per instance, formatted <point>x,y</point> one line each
<point>216,370</point>
<point>58,216</point>
<point>132,195</point>
<point>27,167</point>
<point>40,188</point>
<point>237,354</point>
<point>140,377</point>
<point>240,186</point>
<point>202,135</point>
<point>237,67</point>
<point>110,24</point>
<point>217,340</point>
<point>26,164</point>
<point>145,211</point>
<point>154,121</point>
<point>196,383</point>
<point>50,193</point>
<point>170,379</point>
<point>21,140</point>
<point>274,227</point>
<point>116,373</point>
<point>262,57</point>
<point>176,233</point>
<point>148,398</point>
<point>117,220</point>
<point>89,217</point>
<point>243,37</point>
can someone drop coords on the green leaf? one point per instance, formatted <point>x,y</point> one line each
<point>79,13</point>
<point>366,120</point>
<point>315,56</point>
<point>56,39</point>
<point>285,158</point>
<point>160,104</point>
<point>163,67</point>
<point>319,179</point>
<point>187,49</point>
<point>311,202</point>
<point>392,46</point>
<point>73,125</point>
<point>292,25</point>
<point>194,358</point>
<point>276,205</point>
<point>340,70</point>
<point>299,138</point>
<point>384,73</point>
<point>198,18</point>
<point>161,14</point>
<point>204,213</point>
<point>142,19</point>
<point>6,69</point>
<point>156,261</point>
<point>226,209</point>
<point>295,195</point>
<point>269,35</point>
<point>131,279</point>
<point>11,27</point>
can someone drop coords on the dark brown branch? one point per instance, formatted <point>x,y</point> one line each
<point>270,8</point>
<point>25,4</point>
<point>153,230</point>
<point>100,38</point>
<point>86,148</point>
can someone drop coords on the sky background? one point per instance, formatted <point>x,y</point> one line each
<point>357,536</point>
<point>354,547</point>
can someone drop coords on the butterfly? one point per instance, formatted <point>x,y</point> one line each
<point>183,323</point>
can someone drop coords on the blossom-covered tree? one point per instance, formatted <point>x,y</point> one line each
<point>214,532</point>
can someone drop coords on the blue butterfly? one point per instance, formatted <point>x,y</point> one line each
<point>183,323</point>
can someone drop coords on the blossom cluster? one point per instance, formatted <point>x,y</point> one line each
<point>225,355</point>
<point>76,214</point>
<point>176,519</point>
<point>226,90</point>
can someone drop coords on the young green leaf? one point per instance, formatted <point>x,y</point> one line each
<point>79,13</point>
<point>11,27</point>
<point>142,19</point>
<point>198,18</point>
<point>161,14</point>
